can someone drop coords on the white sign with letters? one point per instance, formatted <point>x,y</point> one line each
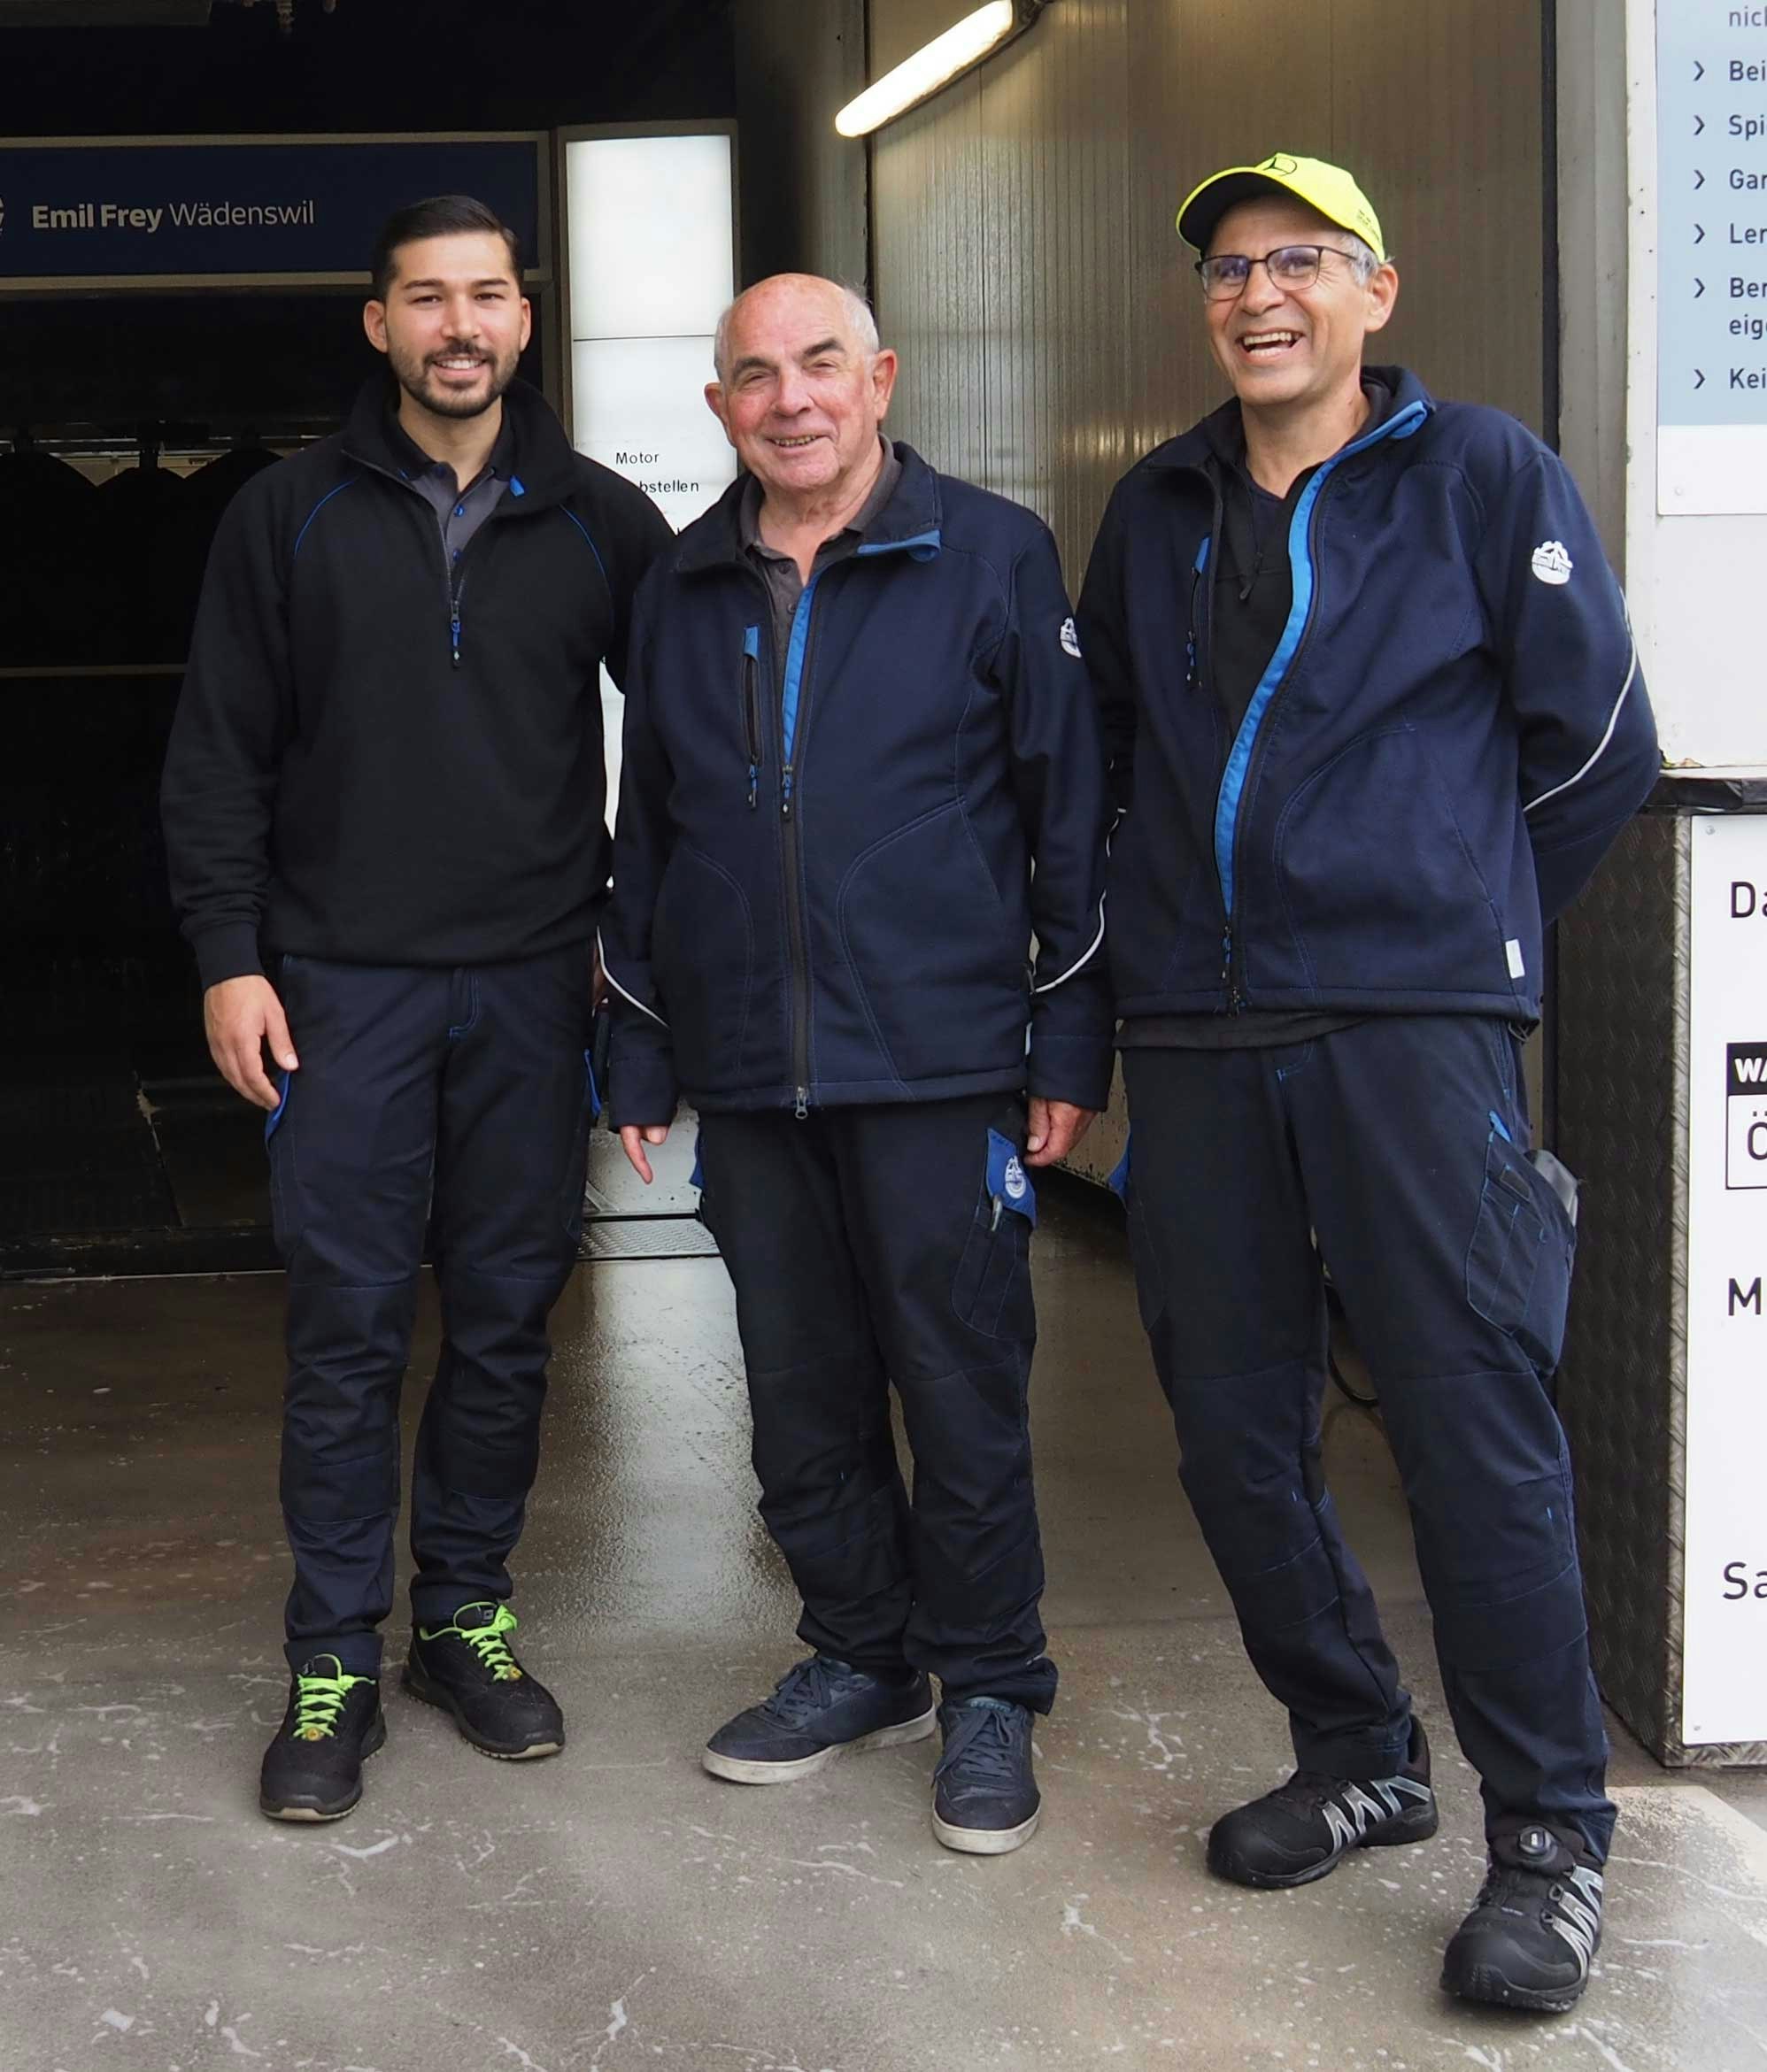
<point>1723,1687</point>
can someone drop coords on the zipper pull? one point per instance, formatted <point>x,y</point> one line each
<point>1226,956</point>
<point>785,793</point>
<point>1190,663</point>
<point>754,779</point>
<point>802,1110</point>
<point>454,627</point>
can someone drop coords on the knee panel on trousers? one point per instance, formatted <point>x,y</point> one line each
<point>318,1486</point>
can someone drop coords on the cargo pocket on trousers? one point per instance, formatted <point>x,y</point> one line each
<point>1518,1264</point>
<point>284,1194</point>
<point>991,1291</point>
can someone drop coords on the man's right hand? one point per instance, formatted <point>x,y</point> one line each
<point>241,1015</point>
<point>632,1142</point>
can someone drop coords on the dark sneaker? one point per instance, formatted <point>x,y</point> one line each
<point>820,1708</point>
<point>1298,1832</point>
<point>984,1799</point>
<point>312,1770</point>
<point>1534,1926</point>
<point>467,1668</point>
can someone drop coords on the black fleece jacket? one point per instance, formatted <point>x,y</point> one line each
<point>380,759</point>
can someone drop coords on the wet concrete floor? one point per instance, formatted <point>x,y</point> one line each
<point>617,1908</point>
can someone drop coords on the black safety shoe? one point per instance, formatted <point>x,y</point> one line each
<point>984,1799</point>
<point>1534,1926</point>
<point>1297,1833</point>
<point>819,1708</point>
<point>312,1770</point>
<point>467,1668</point>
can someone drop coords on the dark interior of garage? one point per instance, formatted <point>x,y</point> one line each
<point>127,419</point>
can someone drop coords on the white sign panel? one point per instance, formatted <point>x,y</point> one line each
<point>1724,1689</point>
<point>1711,307</point>
<point>650,230</point>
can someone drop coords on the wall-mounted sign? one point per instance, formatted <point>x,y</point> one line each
<point>1711,129</point>
<point>1724,1689</point>
<point>155,211</point>
<point>650,231</point>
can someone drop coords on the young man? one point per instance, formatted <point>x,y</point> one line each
<point>1374,714</point>
<point>855,723</point>
<point>383,805</point>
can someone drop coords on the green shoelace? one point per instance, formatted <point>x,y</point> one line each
<point>486,1641</point>
<point>319,1702</point>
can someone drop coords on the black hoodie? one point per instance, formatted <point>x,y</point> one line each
<point>379,760</point>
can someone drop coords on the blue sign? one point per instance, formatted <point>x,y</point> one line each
<point>107,212</point>
<point>1712,121</point>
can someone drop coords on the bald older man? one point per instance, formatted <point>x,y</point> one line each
<point>861,771</point>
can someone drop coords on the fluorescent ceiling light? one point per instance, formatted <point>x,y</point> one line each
<point>936,64</point>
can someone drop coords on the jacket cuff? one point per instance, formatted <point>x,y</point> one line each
<point>227,950</point>
<point>1072,1068</point>
<point>643,1091</point>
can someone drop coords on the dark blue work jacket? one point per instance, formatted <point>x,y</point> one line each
<point>827,878</point>
<point>1451,730</point>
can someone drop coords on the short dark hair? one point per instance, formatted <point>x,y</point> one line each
<point>443,215</point>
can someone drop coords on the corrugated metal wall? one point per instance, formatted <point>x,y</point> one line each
<point>1024,257</point>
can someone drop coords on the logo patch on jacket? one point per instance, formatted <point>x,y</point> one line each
<point>1552,563</point>
<point>1070,639</point>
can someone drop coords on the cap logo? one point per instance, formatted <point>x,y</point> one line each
<point>1551,563</point>
<point>1280,162</point>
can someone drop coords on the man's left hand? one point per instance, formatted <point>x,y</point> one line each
<point>1055,1129</point>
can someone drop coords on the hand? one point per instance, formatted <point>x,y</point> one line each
<point>1055,1129</point>
<point>240,1016</point>
<point>632,1142</point>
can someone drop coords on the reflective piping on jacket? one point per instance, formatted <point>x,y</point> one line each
<point>606,972</point>
<point>1601,745</point>
<point>314,512</point>
<point>1081,962</point>
<point>1301,562</point>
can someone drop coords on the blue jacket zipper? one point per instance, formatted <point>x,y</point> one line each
<point>1234,780</point>
<point>751,709</point>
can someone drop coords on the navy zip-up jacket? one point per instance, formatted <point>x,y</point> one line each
<point>381,759</point>
<point>827,897</point>
<point>1451,731</point>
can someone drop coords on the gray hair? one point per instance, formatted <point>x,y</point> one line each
<point>854,307</point>
<point>1361,257</point>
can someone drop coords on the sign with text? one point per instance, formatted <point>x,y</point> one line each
<point>1711,86</point>
<point>1724,1689</point>
<point>179,210</point>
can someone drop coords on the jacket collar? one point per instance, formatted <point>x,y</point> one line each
<point>909,521</point>
<point>1221,431</point>
<point>541,459</point>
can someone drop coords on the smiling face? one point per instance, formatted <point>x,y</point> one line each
<point>454,322</point>
<point>801,394</point>
<point>1286,348</point>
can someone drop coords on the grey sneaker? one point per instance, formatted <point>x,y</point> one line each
<point>820,1709</point>
<point>984,1799</point>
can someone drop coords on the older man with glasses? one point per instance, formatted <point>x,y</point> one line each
<point>1374,715</point>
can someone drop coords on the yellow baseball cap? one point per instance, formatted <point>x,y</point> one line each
<point>1328,189</point>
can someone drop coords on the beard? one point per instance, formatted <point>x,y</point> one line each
<point>415,375</point>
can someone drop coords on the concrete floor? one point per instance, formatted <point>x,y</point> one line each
<point>616,1907</point>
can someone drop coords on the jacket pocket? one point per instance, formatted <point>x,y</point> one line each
<point>703,954</point>
<point>991,1292</point>
<point>939,961</point>
<point>1379,884</point>
<point>1518,1264</point>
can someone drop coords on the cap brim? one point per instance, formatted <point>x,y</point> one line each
<point>1211,200</point>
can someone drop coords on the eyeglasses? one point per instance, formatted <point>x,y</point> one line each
<point>1289,266</point>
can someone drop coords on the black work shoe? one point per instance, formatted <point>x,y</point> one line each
<point>312,1770</point>
<point>820,1708</point>
<point>467,1668</point>
<point>984,1799</point>
<point>1534,1926</point>
<point>1298,1832</point>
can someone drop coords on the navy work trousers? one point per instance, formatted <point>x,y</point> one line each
<point>460,1099</point>
<point>1400,1142</point>
<point>867,1249</point>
